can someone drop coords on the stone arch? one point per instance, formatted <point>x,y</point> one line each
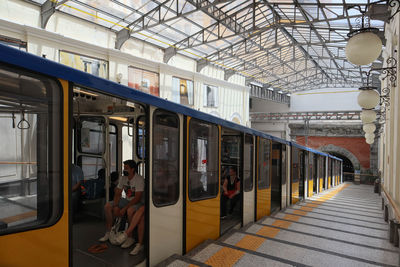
<point>342,151</point>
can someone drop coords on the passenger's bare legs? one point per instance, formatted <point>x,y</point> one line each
<point>130,213</point>
<point>141,230</point>
<point>136,219</point>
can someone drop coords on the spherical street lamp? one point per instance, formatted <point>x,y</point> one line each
<point>369,141</point>
<point>369,128</point>
<point>368,97</point>
<point>363,48</point>
<point>369,136</point>
<point>368,116</point>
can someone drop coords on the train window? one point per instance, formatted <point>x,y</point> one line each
<point>30,151</point>
<point>90,166</point>
<point>165,181</point>
<point>203,160</point>
<point>323,167</point>
<point>127,142</point>
<point>295,164</point>
<point>248,163</point>
<point>264,164</point>
<point>284,164</point>
<point>314,167</point>
<point>91,135</point>
<point>329,168</point>
<point>140,137</point>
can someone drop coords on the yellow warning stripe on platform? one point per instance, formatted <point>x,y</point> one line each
<point>291,217</point>
<point>229,256</point>
<point>268,231</point>
<point>281,224</point>
<point>225,257</point>
<point>250,242</point>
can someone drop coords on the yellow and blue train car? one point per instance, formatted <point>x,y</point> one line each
<point>54,117</point>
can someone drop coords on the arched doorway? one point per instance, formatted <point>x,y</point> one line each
<point>349,160</point>
<point>348,168</point>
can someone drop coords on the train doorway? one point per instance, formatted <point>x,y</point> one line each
<point>106,132</point>
<point>348,168</point>
<point>276,177</point>
<point>248,180</point>
<point>231,182</point>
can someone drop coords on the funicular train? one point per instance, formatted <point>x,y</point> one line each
<point>53,116</point>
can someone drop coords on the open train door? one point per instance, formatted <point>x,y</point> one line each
<point>248,180</point>
<point>165,185</point>
<point>202,183</point>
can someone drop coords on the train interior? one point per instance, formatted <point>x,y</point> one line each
<point>231,207</point>
<point>276,174</point>
<point>99,120</point>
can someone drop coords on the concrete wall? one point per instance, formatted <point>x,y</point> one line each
<point>336,99</point>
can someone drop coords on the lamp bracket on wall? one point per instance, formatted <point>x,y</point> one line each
<point>365,21</point>
<point>385,96</point>
<point>382,116</point>
<point>390,71</point>
<point>393,3</point>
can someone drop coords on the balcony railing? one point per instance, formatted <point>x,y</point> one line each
<point>267,94</point>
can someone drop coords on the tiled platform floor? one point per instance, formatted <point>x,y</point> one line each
<point>343,226</point>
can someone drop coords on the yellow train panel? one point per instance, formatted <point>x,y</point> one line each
<point>329,182</point>
<point>202,221</point>
<point>321,183</point>
<point>310,188</point>
<point>263,203</point>
<point>295,192</point>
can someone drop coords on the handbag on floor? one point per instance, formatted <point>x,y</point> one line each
<point>115,231</point>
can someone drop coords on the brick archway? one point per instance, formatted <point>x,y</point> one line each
<point>344,152</point>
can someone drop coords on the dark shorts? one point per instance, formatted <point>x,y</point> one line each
<point>123,202</point>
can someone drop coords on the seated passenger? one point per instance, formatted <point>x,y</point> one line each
<point>231,192</point>
<point>133,186</point>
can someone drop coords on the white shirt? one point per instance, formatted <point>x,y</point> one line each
<point>136,184</point>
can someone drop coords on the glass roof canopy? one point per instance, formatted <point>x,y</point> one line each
<point>288,45</point>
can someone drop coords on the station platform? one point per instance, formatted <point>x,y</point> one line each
<point>343,226</point>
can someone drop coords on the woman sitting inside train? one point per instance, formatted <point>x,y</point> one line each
<point>231,192</point>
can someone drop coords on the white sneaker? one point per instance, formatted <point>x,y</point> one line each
<point>128,242</point>
<point>138,247</point>
<point>105,237</point>
<point>121,238</point>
